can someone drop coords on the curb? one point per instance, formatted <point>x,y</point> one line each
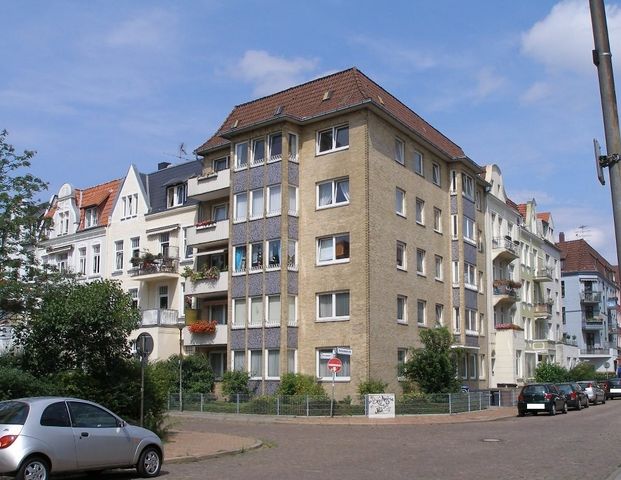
<point>222,453</point>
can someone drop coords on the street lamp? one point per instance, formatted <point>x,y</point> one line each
<point>180,326</point>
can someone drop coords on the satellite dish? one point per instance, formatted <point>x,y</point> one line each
<point>598,165</point>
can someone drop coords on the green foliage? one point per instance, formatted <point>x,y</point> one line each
<point>551,372</point>
<point>15,383</point>
<point>372,386</point>
<point>78,327</point>
<point>433,367</point>
<point>299,384</point>
<point>582,371</point>
<point>197,374</point>
<point>234,382</point>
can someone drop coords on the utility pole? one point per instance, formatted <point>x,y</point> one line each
<point>602,58</point>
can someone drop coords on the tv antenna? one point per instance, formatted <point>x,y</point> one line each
<point>181,153</point>
<point>583,231</point>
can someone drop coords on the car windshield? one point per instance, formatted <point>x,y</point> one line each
<point>534,389</point>
<point>615,381</point>
<point>565,388</point>
<point>13,413</point>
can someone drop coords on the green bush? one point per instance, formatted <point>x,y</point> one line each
<point>15,383</point>
<point>235,382</point>
<point>299,384</point>
<point>551,372</point>
<point>582,371</point>
<point>372,386</point>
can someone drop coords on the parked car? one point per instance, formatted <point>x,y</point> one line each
<point>47,435</point>
<point>575,396</point>
<point>540,397</point>
<point>593,391</point>
<point>612,388</point>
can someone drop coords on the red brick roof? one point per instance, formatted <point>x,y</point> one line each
<point>512,204</point>
<point>544,216</point>
<point>522,209</point>
<point>349,88</point>
<point>579,256</point>
<point>100,196</point>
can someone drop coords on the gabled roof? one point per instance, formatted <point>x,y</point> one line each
<point>544,216</point>
<point>522,209</point>
<point>100,196</point>
<point>578,256</point>
<point>323,96</point>
<point>158,181</point>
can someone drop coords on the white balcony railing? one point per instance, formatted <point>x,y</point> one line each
<point>159,317</point>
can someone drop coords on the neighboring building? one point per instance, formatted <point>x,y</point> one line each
<point>354,225</point>
<point>76,238</point>
<point>589,290</point>
<point>526,305</point>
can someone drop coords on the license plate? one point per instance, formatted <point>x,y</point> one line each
<point>535,406</point>
<point>615,390</point>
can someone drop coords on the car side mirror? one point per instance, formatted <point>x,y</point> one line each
<point>121,423</point>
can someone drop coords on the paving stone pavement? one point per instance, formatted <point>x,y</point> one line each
<point>184,445</point>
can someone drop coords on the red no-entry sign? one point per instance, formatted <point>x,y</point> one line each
<point>335,365</point>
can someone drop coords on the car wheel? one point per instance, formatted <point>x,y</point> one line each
<point>603,401</point>
<point>521,413</point>
<point>149,463</point>
<point>553,409</point>
<point>565,407</point>
<point>579,407</point>
<point>33,468</point>
<point>586,404</point>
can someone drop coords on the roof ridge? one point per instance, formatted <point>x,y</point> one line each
<point>99,184</point>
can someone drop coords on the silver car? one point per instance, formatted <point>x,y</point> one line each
<point>44,435</point>
<point>593,391</point>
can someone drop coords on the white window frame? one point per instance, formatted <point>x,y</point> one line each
<point>293,201</point>
<point>271,209</point>
<point>253,353</point>
<point>293,152</point>
<point>419,163</point>
<point>334,240</point>
<point>333,317</point>
<point>244,267</point>
<point>470,276</point>
<point>455,273</point>
<point>334,132</point>
<point>471,322</point>
<point>420,211</point>
<point>420,261</point>
<point>454,226</point>
<point>292,360</point>
<point>403,299</point>
<point>270,157</point>
<point>96,251</point>
<point>439,268</point>
<point>118,255</point>
<point>292,310</point>
<point>252,215</point>
<point>334,184</point>
<point>467,185</point>
<point>469,227</point>
<point>439,309</point>
<point>257,249</point>
<point>421,307</point>
<point>240,164</point>
<point>399,151</point>
<point>400,203</point>
<point>340,376</point>
<point>235,354</point>
<point>236,216</point>
<point>268,263</point>
<point>90,217</point>
<point>402,246</point>
<point>256,323</point>
<point>269,311</point>
<point>437,220</point>
<point>176,195</point>
<point>456,320</point>
<point>436,174</point>
<point>267,364</point>
<point>82,260</point>
<point>292,260</point>
<point>236,322</point>
<point>254,162</point>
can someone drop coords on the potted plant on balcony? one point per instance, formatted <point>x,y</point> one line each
<point>212,273</point>
<point>205,223</point>
<point>203,327</point>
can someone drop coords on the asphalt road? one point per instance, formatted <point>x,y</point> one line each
<point>579,445</point>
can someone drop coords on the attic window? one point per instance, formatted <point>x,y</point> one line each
<point>326,96</point>
<point>236,123</point>
<point>279,110</point>
<point>381,100</point>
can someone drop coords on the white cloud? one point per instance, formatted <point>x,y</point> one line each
<point>153,29</point>
<point>487,83</point>
<point>269,73</point>
<point>563,40</point>
<point>537,92</point>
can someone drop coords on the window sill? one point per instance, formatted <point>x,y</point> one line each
<point>440,280</point>
<point>333,319</point>
<point>255,326</point>
<point>421,325</point>
<point>402,269</point>
<point>419,223</point>
<point>336,379</point>
<point>333,262</point>
<point>402,215</point>
<point>402,322</point>
<point>421,274</point>
<point>237,327</point>
<point>333,205</point>
<point>326,152</point>
<point>238,220</point>
<point>472,333</point>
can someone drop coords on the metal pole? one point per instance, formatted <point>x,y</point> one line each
<point>142,359</point>
<point>332,399</point>
<point>180,369</point>
<point>603,60</point>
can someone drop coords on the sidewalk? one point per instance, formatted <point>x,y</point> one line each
<point>188,446</point>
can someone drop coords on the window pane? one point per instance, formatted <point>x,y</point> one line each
<point>257,203</point>
<point>273,255</point>
<point>342,191</point>
<point>241,154</point>
<point>326,249</point>
<point>292,312</point>
<point>274,310</point>
<point>240,313</point>
<point>293,199</point>
<point>259,150</point>
<point>273,363</point>
<point>342,247</point>
<point>276,144</point>
<point>325,306</point>
<point>241,209</point>
<point>257,255</point>
<point>291,360</point>
<point>325,141</point>
<point>342,304</point>
<point>256,311</point>
<point>342,137</point>
<point>239,360</point>
<point>256,363</point>
<point>275,199</point>
<point>325,194</point>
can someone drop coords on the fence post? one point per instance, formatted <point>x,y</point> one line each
<point>512,398</point>
<point>469,401</point>
<point>481,400</point>
<point>202,401</point>
<point>278,405</point>
<point>450,405</point>
<point>366,404</point>
<point>237,409</point>
<point>307,407</point>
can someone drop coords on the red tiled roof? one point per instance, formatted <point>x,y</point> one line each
<point>579,256</point>
<point>512,204</point>
<point>522,209</point>
<point>100,196</point>
<point>545,216</point>
<point>348,88</point>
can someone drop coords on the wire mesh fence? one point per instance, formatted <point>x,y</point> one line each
<point>307,405</point>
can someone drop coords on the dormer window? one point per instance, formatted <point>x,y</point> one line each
<point>90,217</point>
<point>220,164</point>
<point>63,218</point>
<point>176,195</point>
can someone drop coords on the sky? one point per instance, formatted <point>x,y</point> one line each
<point>96,86</point>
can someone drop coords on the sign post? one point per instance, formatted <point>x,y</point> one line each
<point>144,347</point>
<point>334,365</point>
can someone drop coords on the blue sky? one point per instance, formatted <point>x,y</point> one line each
<point>95,86</point>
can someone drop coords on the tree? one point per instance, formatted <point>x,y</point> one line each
<point>78,327</point>
<point>551,372</point>
<point>433,367</point>
<point>20,222</point>
<point>198,375</point>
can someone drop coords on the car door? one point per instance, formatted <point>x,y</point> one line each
<point>99,438</point>
<point>56,432</point>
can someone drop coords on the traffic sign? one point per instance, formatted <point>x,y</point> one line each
<point>335,365</point>
<point>343,351</point>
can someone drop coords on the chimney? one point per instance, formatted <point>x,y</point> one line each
<point>561,237</point>
<point>163,165</point>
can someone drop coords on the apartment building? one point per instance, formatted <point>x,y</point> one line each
<point>590,296</point>
<point>354,224</point>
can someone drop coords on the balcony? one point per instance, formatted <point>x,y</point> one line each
<point>505,292</point>
<point>590,297</point>
<point>544,274</point>
<point>542,310</point>
<point>158,270</point>
<point>505,249</point>
<point>198,339</point>
<point>599,350</point>
<point>206,232</point>
<point>595,322</point>
<point>541,345</point>
<point>209,186</point>
<point>211,284</point>
<point>159,317</point>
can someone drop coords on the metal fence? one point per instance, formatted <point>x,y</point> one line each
<point>307,405</point>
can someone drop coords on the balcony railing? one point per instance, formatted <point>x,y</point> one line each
<point>209,186</point>
<point>544,274</point>
<point>504,247</point>
<point>208,231</point>
<point>202,286</point>
<point>601,349</point>
<point>590,297</point>
<point>156,317</point>
<point>163,266</point>
<point>543,308</point>
<point>505,293</point>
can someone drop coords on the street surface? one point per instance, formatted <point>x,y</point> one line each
<point>579,445</point>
